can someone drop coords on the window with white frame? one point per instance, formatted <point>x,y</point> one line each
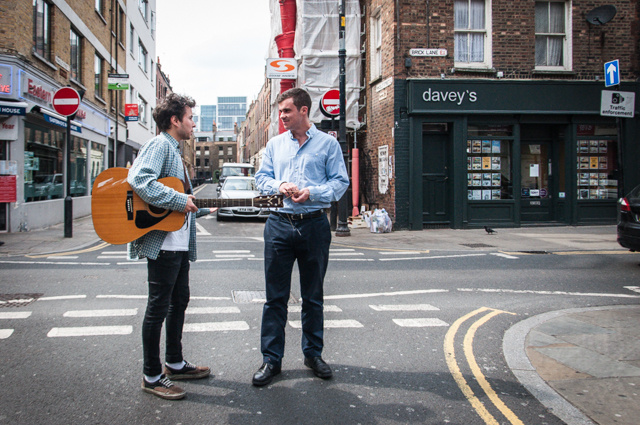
<point>375,68</point>
<point>97,69</point>
<point>472,34</point>
<point>131,37</point>
<point>142,110</point>
<point>143,6</point>
<point>42,28</point>
<point>100,6</point>
<point>142,56</point>
<point>76,55</point>
<point>553,39</point>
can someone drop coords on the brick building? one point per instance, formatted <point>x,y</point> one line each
<point>253,134</point>
<point>490,111</point>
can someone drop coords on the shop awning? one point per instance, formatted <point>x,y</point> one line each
<point>57,119</point>
<point>13,108</point>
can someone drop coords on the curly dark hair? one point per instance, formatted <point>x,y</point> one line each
<point>300,98</point>
<point>172,105</point>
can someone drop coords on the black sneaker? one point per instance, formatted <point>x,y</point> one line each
<point>188,371</point>
<point>163,388</point>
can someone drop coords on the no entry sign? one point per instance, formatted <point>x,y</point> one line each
<point>66,101</point>
<point>330,103</point>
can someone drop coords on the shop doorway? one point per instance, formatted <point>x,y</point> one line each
<point>435,176</point>
<point>536,184</point>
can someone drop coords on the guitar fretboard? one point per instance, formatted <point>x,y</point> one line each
<point>213,203</point>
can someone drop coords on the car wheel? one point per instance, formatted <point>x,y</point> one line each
<point>219,217</point>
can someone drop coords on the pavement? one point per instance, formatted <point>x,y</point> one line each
<point>583,364</point>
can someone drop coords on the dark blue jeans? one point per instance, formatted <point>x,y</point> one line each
<point>306,241</point>
<point>168,299</point>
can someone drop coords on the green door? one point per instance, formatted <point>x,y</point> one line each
<point>435,180</point>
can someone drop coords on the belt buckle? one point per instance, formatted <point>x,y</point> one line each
<point>298,216</point>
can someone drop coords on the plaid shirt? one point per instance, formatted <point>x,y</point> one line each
<point>159,158</point>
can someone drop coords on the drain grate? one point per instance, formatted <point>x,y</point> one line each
<point>477,245</point>
<point>17,300</point>
<point>248,297</point>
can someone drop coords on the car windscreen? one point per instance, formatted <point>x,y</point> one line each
<point>238,171</point>
<point>238,184</point>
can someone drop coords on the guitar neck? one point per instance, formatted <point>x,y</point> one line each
<point>217,203</point>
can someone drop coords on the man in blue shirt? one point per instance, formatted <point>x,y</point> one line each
<point>168,253</point>
<point>307,166</point>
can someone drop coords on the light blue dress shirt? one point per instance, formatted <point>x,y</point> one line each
<point>317,164</point>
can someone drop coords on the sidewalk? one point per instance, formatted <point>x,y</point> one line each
<point>580,363</point>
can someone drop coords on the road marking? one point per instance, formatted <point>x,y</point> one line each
<point>201,231</point>
<point>24,300</point>
<point>66,257</point>
<point>5,333</point>
<point>449,350</point>
<point>503,255</point>
<point>419,323</point>
<point>632,288</point>
<point>132,263</point>
<point>111,257</point>
<point>341,250</point>
<point>90,331</point>
<point>66,263</point>
<point>114,253</point>
<point>379,249</point>
<point>101,313</point>
<point>526,291</point>
<point>212,310</point>
<point>15,315</point>
<point>62,297</point>
<point>215,326</point>
<point>404,307</point>
<point>239,251</point>
<point>351,259</point>
<point>327,308</point>
<point>384,294</point>
<point>297,324</point>
<point>433,258</point>
<point>346,253</point>
<point>81,251</point>
<point>210,298</point>
<point>124,297</point>
<point>237,256</point>
<point>213,260</point>
<point>400,253</point>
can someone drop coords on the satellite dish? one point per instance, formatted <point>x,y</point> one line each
<point>601,15</point>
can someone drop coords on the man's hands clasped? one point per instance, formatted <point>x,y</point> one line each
<point>290,190</point>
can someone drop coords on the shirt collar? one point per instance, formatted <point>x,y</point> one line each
<point>310,133</point>
<point>173,141</point>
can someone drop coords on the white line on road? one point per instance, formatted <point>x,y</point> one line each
<point>5,333</point>
<point>419,323</point>
<point>212,310</point>
<point>111,257</point>
<point>404,307</point>
<point>297,324</point>
<point>341,250</point>
<point>350,259</point>
<point>216,326</point>
<point>90,331</point>
<point>63,297</point>
<point>433,258</point>
<point>632,288</point>
<point>64,263</point>
<point>346,253</point>
<point>230,251</point>
<point>101,313</point>
<point>65,257</point>
<point>15,315</point>
<point>327,308</point>
<point>24,300</point>
<point>236,256</point>
<point>385,294</point>
<point>400,252</point>
<point>201,230</point>
<point>124,297</point>
<point>210,298</point>
<point>212,260</point>
<point>508,257</point>
<point>524,291</point>
<point>132,263</point>
<point>114,253</point>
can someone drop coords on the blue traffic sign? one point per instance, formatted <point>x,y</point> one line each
<point>612,73</point>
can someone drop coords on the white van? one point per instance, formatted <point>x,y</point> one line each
<point>236,169</point>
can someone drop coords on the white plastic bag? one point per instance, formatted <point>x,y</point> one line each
<point>380,222</point>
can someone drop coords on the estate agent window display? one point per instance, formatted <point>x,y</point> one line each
<point>489,170</point>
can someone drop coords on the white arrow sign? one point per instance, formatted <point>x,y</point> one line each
<point>612,73</point>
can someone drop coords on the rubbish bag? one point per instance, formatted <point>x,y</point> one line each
<point>380,222</point>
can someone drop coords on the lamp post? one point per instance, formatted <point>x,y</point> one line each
<point>342,228</point>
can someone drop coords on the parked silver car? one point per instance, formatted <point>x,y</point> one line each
<point>240,191</point>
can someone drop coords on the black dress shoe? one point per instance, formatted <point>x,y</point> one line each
<point>265,374</point>
<point>320,368</point>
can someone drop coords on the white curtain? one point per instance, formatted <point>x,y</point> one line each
<point>469,15</point>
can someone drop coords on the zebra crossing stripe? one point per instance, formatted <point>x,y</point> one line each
<point>5,333</point>
<point>419,323</point>
<point>404,307</point>
<point>90,331</point>
<point>101,313</point>
<point>212,310</point>
<point>327,308</point>
<point>297,324</point>
<point>15,315</point>
<point>216,326</point>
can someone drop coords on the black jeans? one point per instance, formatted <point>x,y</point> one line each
<point>168,299</point>
<point>285,242</point>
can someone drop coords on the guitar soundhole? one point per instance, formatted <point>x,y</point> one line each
<point>156,210</point>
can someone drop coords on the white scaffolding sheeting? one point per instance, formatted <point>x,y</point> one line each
<point>316,49</point>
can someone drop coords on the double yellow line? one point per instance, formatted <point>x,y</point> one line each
<point>450,355</point>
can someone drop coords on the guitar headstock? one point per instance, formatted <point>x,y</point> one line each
<point>268,201</point>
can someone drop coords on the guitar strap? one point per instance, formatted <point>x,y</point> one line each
<point>185,182</point>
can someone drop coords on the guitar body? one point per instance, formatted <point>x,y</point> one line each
<point>121,216</point>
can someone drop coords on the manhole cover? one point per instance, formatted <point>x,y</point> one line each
<point>477,245</point>
<point>247,297</point>
<point>17,300</point>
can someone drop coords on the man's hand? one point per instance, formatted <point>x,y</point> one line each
<point>191,207</point>
<point>288,189</point>
<point>300,196</point>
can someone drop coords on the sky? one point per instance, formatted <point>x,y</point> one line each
<point>212,48</point>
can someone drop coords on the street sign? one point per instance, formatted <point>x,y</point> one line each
<point>330,103</point>
<point>428,52</point>
<point>66,101</point>
<point>131,112</point>
<point>118,82</point>
<point>612,73</point>
<point>282,68</point>
<point>617,104</point>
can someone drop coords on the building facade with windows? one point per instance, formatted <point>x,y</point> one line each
<point>46,45</point>
<point>231,112</point>
<point>207,117</point>
<point>488,112</point>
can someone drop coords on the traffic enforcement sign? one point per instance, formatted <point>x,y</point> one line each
<point>66,101</point>
<point>612,73</point>
<point>330,103</point>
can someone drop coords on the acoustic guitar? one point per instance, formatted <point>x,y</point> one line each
<point>121,216</point>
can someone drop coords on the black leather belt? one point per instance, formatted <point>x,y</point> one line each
<point>288,216</point>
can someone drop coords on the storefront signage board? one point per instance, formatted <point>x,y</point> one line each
<point>282,68</point>
<point>118,81</point>
<point>8,192</point>
<point>6,79</point>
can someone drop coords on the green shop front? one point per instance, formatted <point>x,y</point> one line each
<point>512,153</point>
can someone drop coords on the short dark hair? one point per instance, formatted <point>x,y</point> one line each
<point>300,98</point>
<point>172,105</point>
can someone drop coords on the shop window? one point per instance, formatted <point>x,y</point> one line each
<point>78,166</point>
<point>553,35</point>
<point>597,165</point>
<point>97,160</point>
<point>472,37</point>
<point>43,155</point>
<point>42,28</point>
<point>489,168</point>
